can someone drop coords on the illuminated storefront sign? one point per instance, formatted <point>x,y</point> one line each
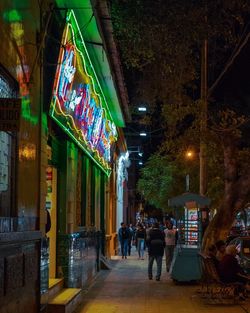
<point>79,105</point>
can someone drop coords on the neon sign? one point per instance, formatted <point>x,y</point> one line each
<point>78,104</point>
<point>15,19</point>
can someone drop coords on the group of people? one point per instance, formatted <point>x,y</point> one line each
<point>155,239</point>
<point>227,264</point>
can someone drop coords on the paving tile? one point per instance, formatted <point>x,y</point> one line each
<point>126,289</point>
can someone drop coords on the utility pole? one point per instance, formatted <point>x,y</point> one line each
<point>203,150</point>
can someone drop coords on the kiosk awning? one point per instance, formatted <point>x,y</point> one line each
<point>181,200</point>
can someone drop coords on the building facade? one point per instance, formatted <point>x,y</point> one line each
<point>20,158</point>
<point>60,155</point>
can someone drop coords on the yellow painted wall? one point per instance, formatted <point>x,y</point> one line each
<point>71,186</point>
<point>52,198</point>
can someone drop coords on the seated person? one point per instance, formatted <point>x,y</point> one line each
<point>229,269</point>
<point>221,249</point>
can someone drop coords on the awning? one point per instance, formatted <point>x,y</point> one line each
<point>181,200</point>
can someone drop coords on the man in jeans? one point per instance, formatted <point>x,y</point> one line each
<point>171,237</point>
<point>155,244</point>
<point>123,236</point>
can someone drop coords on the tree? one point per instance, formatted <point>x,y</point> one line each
<point>160,42</point>
<point>159,179</point>
<point>236,174</point>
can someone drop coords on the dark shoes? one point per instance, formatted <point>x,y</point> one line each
<point>157,278</point>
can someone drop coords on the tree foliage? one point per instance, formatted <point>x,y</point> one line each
<point>163,178</point>
<point>160,43</point>
<point>159,180</point>
<point>161,40</point>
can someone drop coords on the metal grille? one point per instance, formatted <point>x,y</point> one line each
<point>8,89</point>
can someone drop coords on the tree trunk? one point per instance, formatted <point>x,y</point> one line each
<point>237,189</point>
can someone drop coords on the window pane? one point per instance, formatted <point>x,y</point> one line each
<point>7,153</point>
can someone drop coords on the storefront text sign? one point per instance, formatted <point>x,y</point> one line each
<point>79,105</point>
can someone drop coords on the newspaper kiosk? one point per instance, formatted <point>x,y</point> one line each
<point>188,211</point>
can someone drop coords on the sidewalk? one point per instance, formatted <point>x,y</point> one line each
<point>126,289</point>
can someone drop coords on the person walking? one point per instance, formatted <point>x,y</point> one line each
<point>155,243</point>
<point>123,236</point>
<point>131,238</point>
<point>171,237</point>
<point>140,237</point>
<point>148,228</point>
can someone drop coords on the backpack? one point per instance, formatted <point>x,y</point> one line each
<point>125,233</point>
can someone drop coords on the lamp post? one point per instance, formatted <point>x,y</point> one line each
<point>189,155</point>
<point>203,156</point>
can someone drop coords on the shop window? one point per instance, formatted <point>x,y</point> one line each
<point>8,148</point>
<point>102,201</point>
<point>97,199</point>
<point>84,191</point>
<point>78,190</point>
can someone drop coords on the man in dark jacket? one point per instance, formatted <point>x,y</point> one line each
<point>155,244</point>
<point>123,236</point>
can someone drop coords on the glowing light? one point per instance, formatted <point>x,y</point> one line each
<point>12,16</point>
<point>142,109</point>
<point>79,105</point>
<point>143,134</point>
<point>189,154</point>
<point>22,68</point>
<point>27,152</point>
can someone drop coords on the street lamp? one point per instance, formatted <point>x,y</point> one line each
<point>142,109</point>
<point>189,154</point>
<point>143,134</point>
